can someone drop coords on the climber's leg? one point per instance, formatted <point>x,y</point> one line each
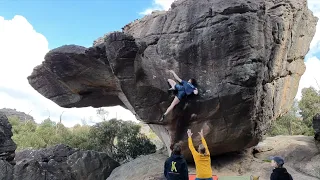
<point>172,84</point>
<point>173,104</point>
<point>175,101</point>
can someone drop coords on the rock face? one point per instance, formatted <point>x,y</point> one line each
<point>7,148</point>
<point>149,167</point>
<point>247,56</point>
<point>6,170</point>
<point>12,112</point>
<point>316,126</point>
<point>300,153</point>
<point>63,163</point>
<point>55,163</point>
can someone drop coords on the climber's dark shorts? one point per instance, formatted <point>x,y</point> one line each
<point>181,93</point>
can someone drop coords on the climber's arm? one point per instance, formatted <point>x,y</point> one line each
<point>205,145</point>
<point>191,147</point>
<point>176,76</point>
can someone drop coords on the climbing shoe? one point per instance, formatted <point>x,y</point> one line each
<point>162,117</point>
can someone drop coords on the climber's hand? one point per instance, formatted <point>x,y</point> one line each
<point>189,133</point>
<point>171,71</point>
<point>196,91</point>
<point>201,133</point>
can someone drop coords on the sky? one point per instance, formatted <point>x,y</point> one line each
<point>30,28</point>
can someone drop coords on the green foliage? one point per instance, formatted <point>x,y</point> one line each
<point>291,123</point>
<point>46,130</point>
<point>146,130</point>
<point>122,140</point>
<point>25,134</point>
<point>309,104</point>
<point>78,137</point>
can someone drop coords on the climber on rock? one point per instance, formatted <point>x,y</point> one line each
<point>184,89</point>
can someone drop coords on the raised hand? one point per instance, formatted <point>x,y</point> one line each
<point>196,91</point>
<point>189,133</point>
<point>201,133</point>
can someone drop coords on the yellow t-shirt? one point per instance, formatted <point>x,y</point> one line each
<point>203,162</point>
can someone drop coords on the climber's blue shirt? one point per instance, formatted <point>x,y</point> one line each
<point>188,87</point>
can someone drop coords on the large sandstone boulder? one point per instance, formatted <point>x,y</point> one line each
<point>247,56</point>
<point>63,163</point>
<point>316,126</point>
<point>149,167</point>
<point>7,148</point>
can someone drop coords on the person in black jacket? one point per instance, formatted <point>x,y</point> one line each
<point>175,167</point>
<point>279,172</point>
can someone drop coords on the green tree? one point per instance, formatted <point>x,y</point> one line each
<point>15,123</point>
<point>309,104</point>
<point>24,134</point>
<point>293,124</point>
<point>103,135</point>
<point>78,137</point>
<point>122,140</point>
<point>47,131</point>
<point>290,124</point>
<point>131,143</point>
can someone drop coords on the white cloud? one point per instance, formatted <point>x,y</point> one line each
<point>165,4</point>
<point>311,78</point>
<point>147,11</point>
<point>158,5</point>
<point>314,6</point>
<point>21,49</point>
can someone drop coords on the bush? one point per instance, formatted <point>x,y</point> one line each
<point>289,125</point>
<point>309,104</point>
<point>293,124</point>
<point>122,140</point>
